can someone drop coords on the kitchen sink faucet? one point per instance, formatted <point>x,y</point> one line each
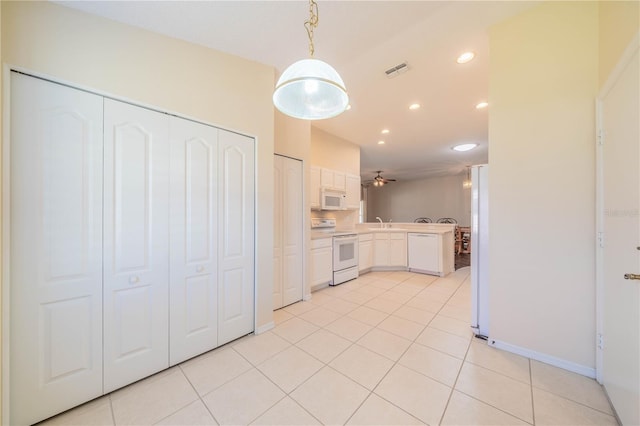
<point>381,222</point>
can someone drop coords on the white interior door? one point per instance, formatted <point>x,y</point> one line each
<point>56,248</point>
<point>292,227</point>
<point>136,231</point>
<point>620,110</point>
<point>236,291</point>
<point>278,231</point>
<point>288,230</point>
<point>193,223</point>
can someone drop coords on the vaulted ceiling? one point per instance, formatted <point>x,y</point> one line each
<point>361,39</point>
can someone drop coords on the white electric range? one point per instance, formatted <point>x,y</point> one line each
<point>345,249</point>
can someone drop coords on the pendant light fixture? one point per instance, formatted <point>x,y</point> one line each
<point>310,88</point>
<point>467,183</point>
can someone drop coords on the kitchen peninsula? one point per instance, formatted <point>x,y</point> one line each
<point>422,248</point>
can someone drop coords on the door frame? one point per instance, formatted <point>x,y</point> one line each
<point>613,77</point>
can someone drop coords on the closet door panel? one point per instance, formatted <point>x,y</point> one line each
<point>194,233</point>
<point>56,248</point>
<point>292,226</point>
<point>278,162</point>
<point>236,236</point>
<point>136,272</point>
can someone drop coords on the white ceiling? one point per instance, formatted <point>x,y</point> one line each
<point>361,39</point>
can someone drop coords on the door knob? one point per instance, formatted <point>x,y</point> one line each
<point>200,269</point>
<point>134,279</point>
<point>631,276</point>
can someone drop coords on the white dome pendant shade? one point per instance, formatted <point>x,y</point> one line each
<point>312,90</point>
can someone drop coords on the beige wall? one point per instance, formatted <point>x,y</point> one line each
<point>434,197</point>
<point>543,82</point>
<point>335,153</point>
<point>292,136</point>
<point>158,71</point>
<point>619,21</point>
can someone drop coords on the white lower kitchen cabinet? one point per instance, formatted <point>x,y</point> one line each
<point>365,252</point>
<point>321,262</point>
<point>131,246</point>
<point>390,250</point>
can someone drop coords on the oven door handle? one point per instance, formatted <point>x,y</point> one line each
<point>344,237</point>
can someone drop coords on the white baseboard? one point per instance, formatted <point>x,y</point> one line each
<point>547,359</point>
<point>307,297</point>
<point>266,327</point>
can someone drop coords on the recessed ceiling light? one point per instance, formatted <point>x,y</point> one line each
<point>414,106</point>
<point>380,142</point>
<point>482,105</point>
<point>465,57</point>
<point>464,147</point>
<point>385,131</point>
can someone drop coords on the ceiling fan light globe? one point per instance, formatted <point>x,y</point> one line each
<point>310,89</point>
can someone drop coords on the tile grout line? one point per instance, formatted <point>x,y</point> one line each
<point>397,362</point>
<point>455,382</point>
<point>113,415</point>
<point>199,397</point>
<point>533,405</point>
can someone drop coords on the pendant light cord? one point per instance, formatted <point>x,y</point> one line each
<point>311,24</point>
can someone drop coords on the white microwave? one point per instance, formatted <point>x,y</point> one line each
<point>331,199</point>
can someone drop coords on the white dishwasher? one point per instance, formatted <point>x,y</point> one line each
<point>423,253</point>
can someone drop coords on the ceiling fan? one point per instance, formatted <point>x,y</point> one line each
<point>379,180</point>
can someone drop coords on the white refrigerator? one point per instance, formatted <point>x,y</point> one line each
<point>480,250</point>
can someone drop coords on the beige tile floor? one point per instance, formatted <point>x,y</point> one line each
<point>388,348</point>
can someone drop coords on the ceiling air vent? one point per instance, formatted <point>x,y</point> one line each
<point>397,70</point>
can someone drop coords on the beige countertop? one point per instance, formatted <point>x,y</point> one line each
<point>369,228</point>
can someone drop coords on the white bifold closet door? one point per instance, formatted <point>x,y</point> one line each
<point>56,248</point>
<point>136,241</point>
<point>194,239</point>
<point>236,216</point>
<point>288,230</point>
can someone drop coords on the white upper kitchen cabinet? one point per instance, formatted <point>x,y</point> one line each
<point>56,248</point>
<point>314,187</point>
<point>193,226</point>
<point>333,179</point>
<point>353,192</point>
<point>136,238</point>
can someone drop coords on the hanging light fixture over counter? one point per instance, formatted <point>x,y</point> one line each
<point>310,88</point>
<point>467,183</point>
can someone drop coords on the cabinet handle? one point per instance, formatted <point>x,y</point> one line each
<point>134,279</point>
<point>200,269</point>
